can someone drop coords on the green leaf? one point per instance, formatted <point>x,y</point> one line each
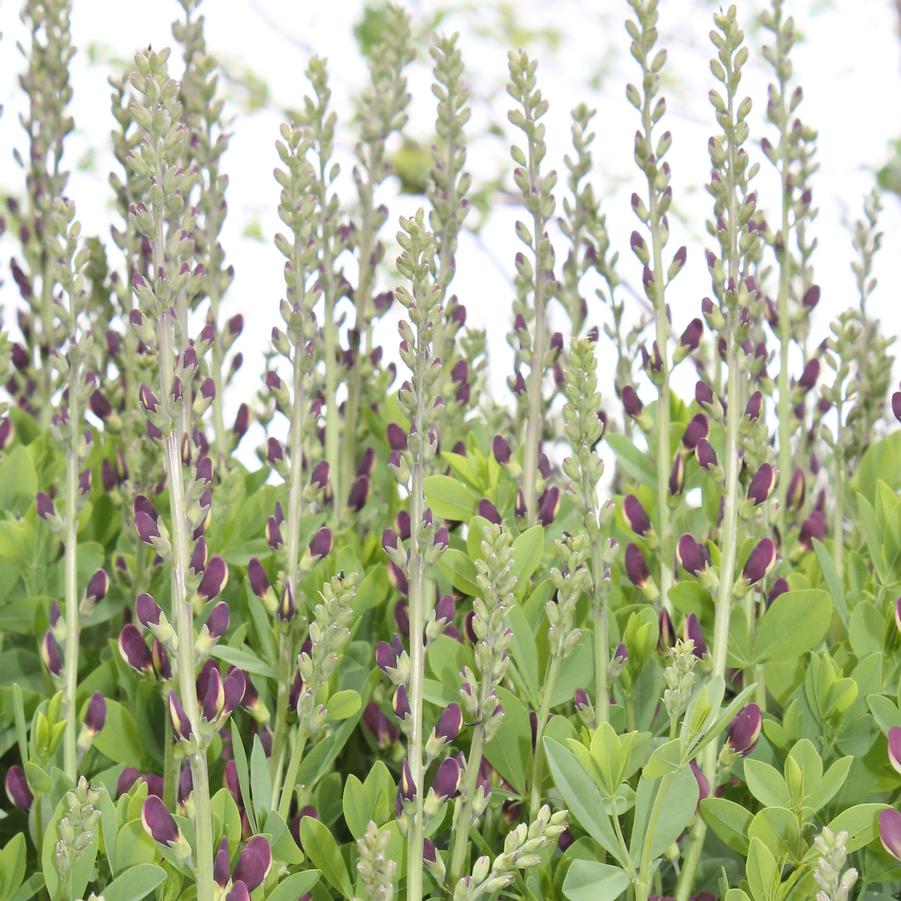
<point>666,759</point>
<point>133,845</point>
<point>459,570</point>
<point>294,887</point>
<point>779,830</point>
<point>527,552</point>
<point>18,479</point>
<point>637,464</point>
<point>119,739</point>
<point>243,773</point>
<point>343,704</point>
<point>676,804</point>
<point>728,821</point>
<point>449,499</point>
<point>831,577</point>
<point>885,712</point>
<point>766,784</point>
<point>135,883</point>
<point>581,796</point>
<point>243,659</point>
<point>763,876</point>
<point>525,653</point>
<point>12,865</point>
<point>861,822</point>
<point>321,847</point>
<point>587,880</point>
<point>510,751</point>
<point>869,525</point>
<point>795,623</point>
<point>830,784</point>
<point>356,806</point>
<point>29,888</point>
<point>260,777</point>
<point>865,629</point>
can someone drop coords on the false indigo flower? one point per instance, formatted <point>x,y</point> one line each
<point>744,730</point>
<point>17,789</point>
<point>636,515</point>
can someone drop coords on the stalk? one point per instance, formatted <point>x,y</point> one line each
<point>70,676</point>
<point>544,711</point>
<point>539,202</point>
<point>287,789</point>
<point>643,883</point>
<point>463,816</point>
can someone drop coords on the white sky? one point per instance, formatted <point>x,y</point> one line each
<point>849,65</point>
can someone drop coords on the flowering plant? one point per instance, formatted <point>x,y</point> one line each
<point>590,639</point>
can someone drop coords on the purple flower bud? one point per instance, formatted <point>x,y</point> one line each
<point>162,668</point>
<point>213,696</point>
<point>705,454</point>
<point>780,586</point>
<point>321,543</point>
<point>445,608</point>
<point>697,429</point>
<point>580,699</point>
<point>148,400</point>
<point>449,723</point>
<point>500,447</point>
<point>380,727</point>
<point>890,832</point>
<point>744,730</point>
<point>631,402</point>
<point>401,703</point>
<point>44,505</point>
<point>760,561</point>
<point>99,405</point>
<point>185,783</point>
<point>215,578</point>
<point>447,779</point>
<point>256,575</point>
<point>691,554</point>
<point>811,297</point>
<point>359,492</point>
<point>273,533</point>
<point>286,606</point>
<point>703,394</point>
<point>548,505</point>
<point>7,430</point>
<point>810,374</point>
<point>488,511</point>
<point>253,862</point>
<point>636,515</point>
<point>636,567</point>
<point>98,585</point>
<point>217,622</point>
<point>181,725</point>
<point>146,527</point>
<point>17,789</point>
<point>95,716</point>
<point>794,497</point>
<point>158,822</point>
<point>762,484</point>
<point>319,476</point>
<point>406,787</point>
<point>898,614</point>
<point>691,631</point>
<point>754,406</point>
<point>234,688</point>
<point>677,475</point>
<point>242,421</point>
<point>396,436</point>
<point>147,610</point>
<point>666,632</point>
<point>222,865</point>
<point>274,451</point>
<point>50,654</point>
<point>894,748</point>
<point>896,405</point>
<point>386,656</point>
<point>621,654</point>
<point>812,527</point>
<point>701,779</point>
<point>691,337</point>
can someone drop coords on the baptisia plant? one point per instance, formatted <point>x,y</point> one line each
<point>585,638</point>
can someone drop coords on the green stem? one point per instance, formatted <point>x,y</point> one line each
<point>543,714</point>
<point>170,771</point>
<point>285,659</point>
<point>838,503</point>
<point>601,640</point>
<point>287,789</point>
<point>463,814</point>
<point>785,413</point>
<point>70,663</point>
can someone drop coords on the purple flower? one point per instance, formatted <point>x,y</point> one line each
<point>214,696</point>
<point>256,575</point>
<point>161,666</point>
<point>701,779</point>
<point>234,688</point>
<point>286,607</point>
<point>692,555</point>
<point>691,631</point>
<point>50,654</point>
<point>548,505</point>
<point>760,561</point>
<point>17,789</point>
<point>450,722</point>
<point>896,405</point>
<point>636,515</point>
<point>810,374</point>
<point>705,454</point>
<point>580,699</point>
<point>696,429</point>
<point>406,787</point>
<point>762,484</point>
<point>794,497</point>
<point>666,632</point>
<point>359,492</point>
<point>148,400</point>
<point>890,832</point>
<point>44,505</point>
<point>95,716</point>
<point>445,608</point>
<point>215,578</point>
<point>158,822</point>
<point>631,402</point>
<point>396,436</point>
<point>691,337</point>
<point>253,862</point>
<point>488,511</point>
<point>744,730</point>
<point>181,725</point>
<point>381,728</point>
<point>753,406</point>
<point>386,656</point>
<point>703,394</point>
<point>447,779</point>
<point>814,526</point>
<point>98,585</point>
<point>222,865</point>
<point>677,476</point>
<point>500,447</point>
<point>217,622</point>
<point>147,610</point>
<point>319,476</point>
<point>811,297</point>
<point>401,703</point>
<point>636,567</point>
<point>321,543</point>
<point>780,586</point>
<point>621,653</point>
<point>894,748</point>
<point>146,527</point>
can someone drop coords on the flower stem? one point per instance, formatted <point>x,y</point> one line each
<point>286,792</point>
<point>643,883</point>
<point>70,679</point>
<point>550,683</point>
<point>463,814</point>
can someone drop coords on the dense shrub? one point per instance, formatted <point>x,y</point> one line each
<point>427,646</point>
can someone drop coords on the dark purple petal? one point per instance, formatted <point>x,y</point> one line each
<point>890,832</point>
<point>696,429</point>
<point>181,725</point>
<point>44,505</point>
<point>215,578</point>
<point>691,631</point>
<point>95,716</point>
<point>636,515</point>
<point>447,780</point>
<point>147,610</point>
<point>500,447</point>
<point>158,822</point>
<point>98,585</point>
<point>760,561</point>
<point>321,543</point>
<point>217,622</point>
<point>254,862</point>
<point>50,655</point>
<point>488,511</point>
<point>636,567</point>
<point>894,748</point>
<point>449,723</point>
<point>762,484</point>
<point>382,729</point>
<point>17,789</point>
<point>744,730</point>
